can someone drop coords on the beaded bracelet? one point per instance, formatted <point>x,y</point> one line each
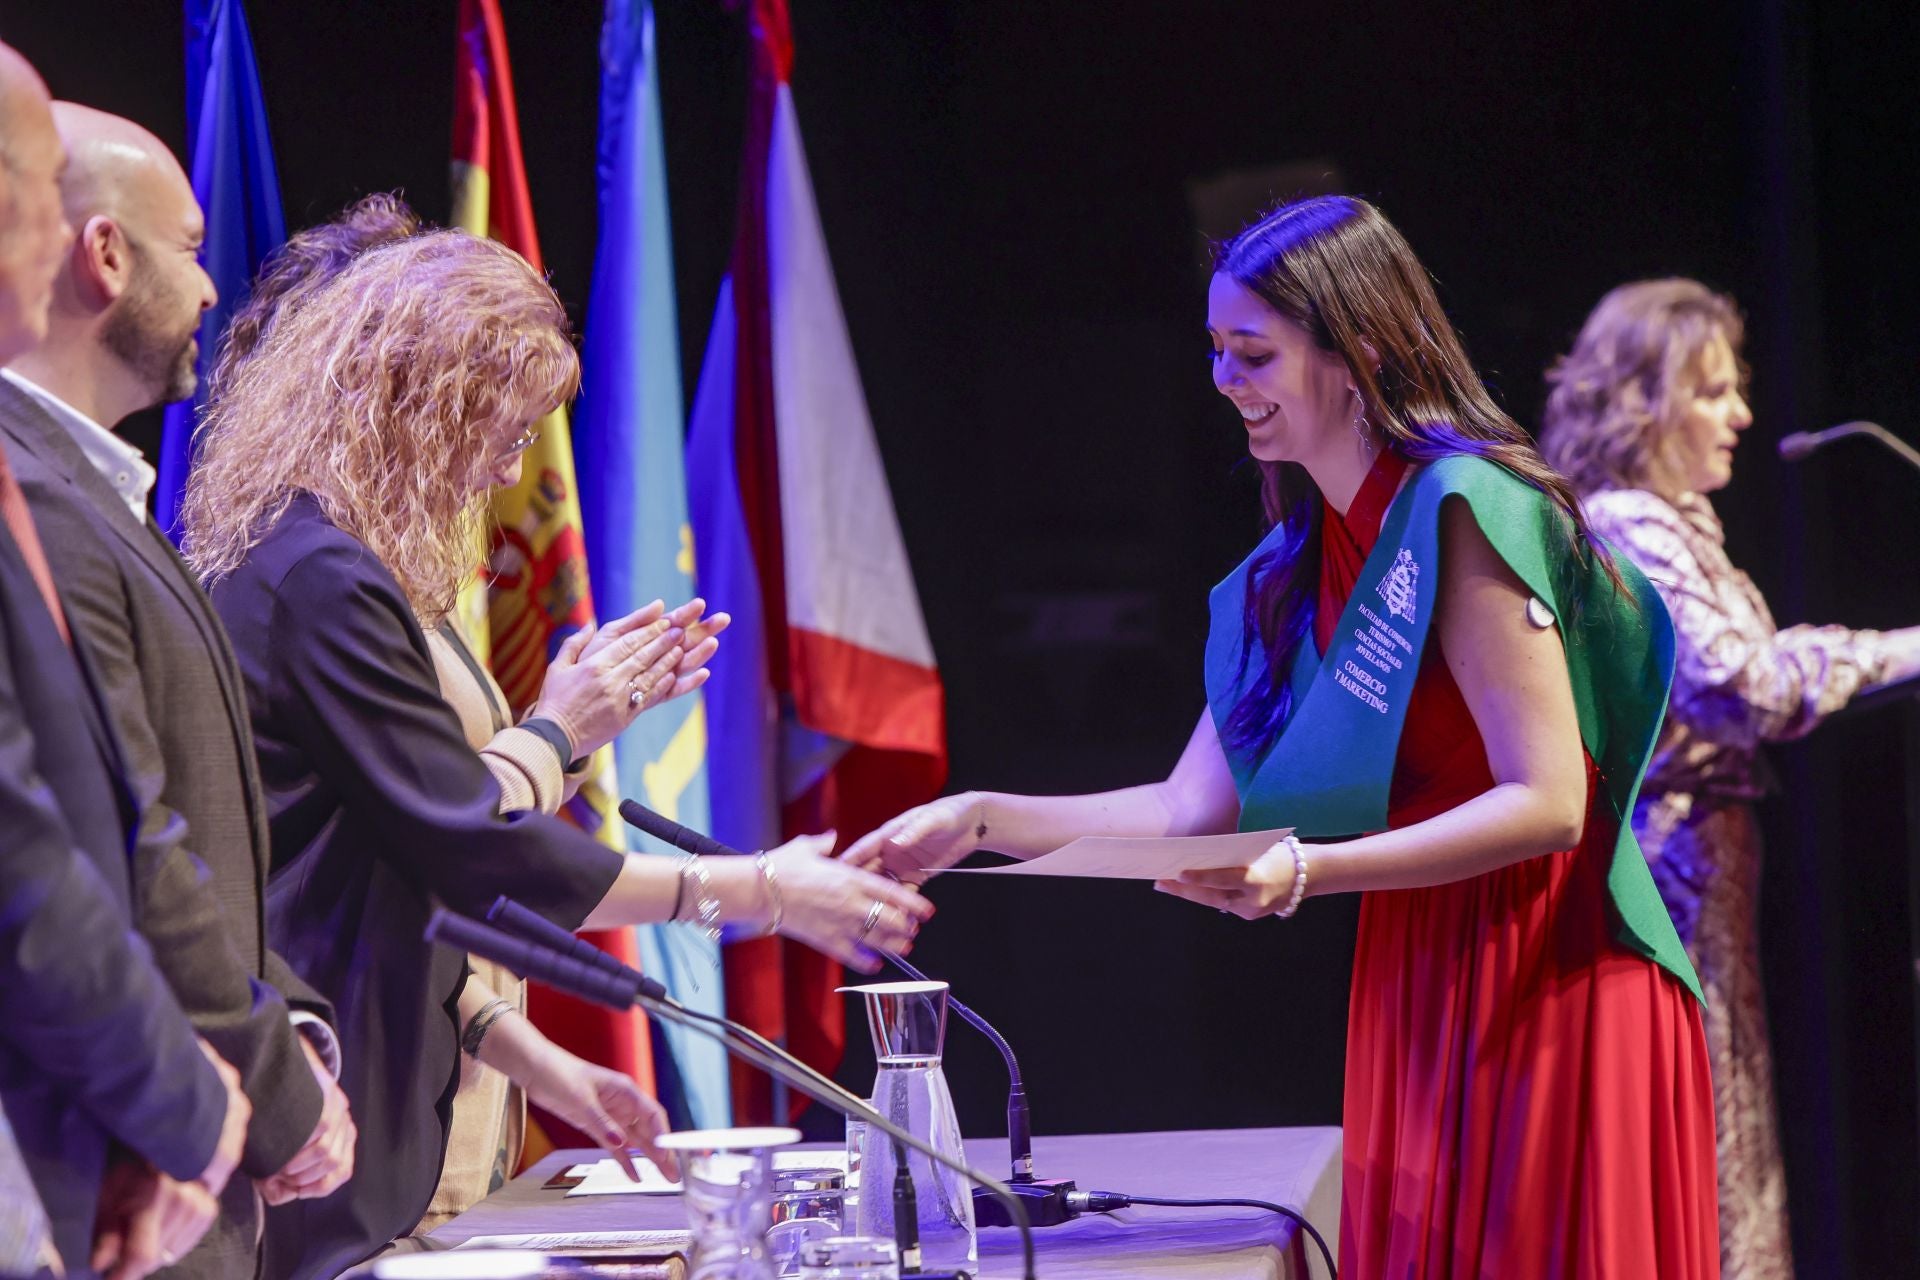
<point>772,881</point>
<point>679,888</point>
<point>481,1023</point>
<point>1299,876</point>
<point>706,906</point>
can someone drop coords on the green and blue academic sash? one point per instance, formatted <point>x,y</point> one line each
<point>1329,771</point>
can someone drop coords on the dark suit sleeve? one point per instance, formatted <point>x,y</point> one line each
<point>79,995</point>
<point>242,1017</point>
<point>294,989</point>
<point>361,690</point>
<point>176,910</point>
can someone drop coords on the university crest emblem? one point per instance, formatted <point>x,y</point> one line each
<point>1397,588</point>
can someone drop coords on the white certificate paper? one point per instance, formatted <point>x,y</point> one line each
<point>1126,858</point>
<point>588,1243</point>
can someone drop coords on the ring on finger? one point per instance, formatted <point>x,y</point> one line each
<point>873,917</point>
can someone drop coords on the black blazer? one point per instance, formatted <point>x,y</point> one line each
<point>93,1046</point>
<point>378,808</point>
<point>169,682</point>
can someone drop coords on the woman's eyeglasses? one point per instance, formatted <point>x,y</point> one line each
<point>521,443</point>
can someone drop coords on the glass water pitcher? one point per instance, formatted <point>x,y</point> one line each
<point>909,1025</point>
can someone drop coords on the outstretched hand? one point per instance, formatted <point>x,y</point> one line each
<point>603,1104</point>
<point>842,910</point>
<point>923,841</point>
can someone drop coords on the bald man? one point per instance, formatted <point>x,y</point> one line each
<point>32,231</point>
<point>95,1053</point>
<point>121,338</point>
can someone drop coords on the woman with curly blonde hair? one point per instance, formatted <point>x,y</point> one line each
<point>332,512</point>
<point>1644,416</point>
<point>538,760</point>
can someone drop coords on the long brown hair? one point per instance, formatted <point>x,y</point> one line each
<point>1334,266</point>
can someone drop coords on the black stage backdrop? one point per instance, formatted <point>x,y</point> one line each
<point>1015,196</point>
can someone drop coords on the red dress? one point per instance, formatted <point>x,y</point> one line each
<point>1525,1098</point>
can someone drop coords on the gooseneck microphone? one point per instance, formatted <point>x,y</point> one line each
<point>534,960</point>
<point>536,928</point>
<point>1048,1201</point>
<point>594,982</point>
<point>1802,443</point>
<point>661,827</point>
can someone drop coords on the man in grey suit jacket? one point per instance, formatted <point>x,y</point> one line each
<point>121,338</point>
<point>122,1130</point>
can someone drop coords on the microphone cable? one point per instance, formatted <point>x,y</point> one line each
<point>1108,1201</point>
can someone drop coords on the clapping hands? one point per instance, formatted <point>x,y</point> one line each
<point>602,678</point>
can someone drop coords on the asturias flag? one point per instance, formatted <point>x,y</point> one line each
<point>235,182</point>
<point>538,594</point>
<point>825,709</point>
<point>633,492</point>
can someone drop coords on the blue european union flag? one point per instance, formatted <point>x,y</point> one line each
<point>231,159</point>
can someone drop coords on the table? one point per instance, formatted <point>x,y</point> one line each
<point>1295,1167</point>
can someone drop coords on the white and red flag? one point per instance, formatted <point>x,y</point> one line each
<point>825,707</point>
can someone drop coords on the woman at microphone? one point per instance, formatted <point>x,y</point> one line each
<point>332,512</point>
<point>1527,1089</point>
<point>1644,416</point>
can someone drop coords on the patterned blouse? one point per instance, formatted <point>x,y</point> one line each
<point>1738,681</point>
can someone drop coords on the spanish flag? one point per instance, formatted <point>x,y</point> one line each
<point>535,592</point>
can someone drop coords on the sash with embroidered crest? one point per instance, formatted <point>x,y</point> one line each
<point>1329,771</point>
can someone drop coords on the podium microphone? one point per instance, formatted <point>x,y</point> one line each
<point>1802,443</point>
<point>666,829</point>
<point>1048,1201</point>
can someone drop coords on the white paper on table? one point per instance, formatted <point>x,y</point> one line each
<point>608,1179</point>
<point>1129,858</point>
<point>585,1243</point>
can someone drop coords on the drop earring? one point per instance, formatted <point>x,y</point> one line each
<point>1361,427</point>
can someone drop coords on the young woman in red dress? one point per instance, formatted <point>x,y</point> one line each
<point>1527,1087</point>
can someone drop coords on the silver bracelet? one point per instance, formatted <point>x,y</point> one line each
<point>1299,895</point>
<point>706,906</point>
<point>765,867</point>
<point>481,1023</point>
